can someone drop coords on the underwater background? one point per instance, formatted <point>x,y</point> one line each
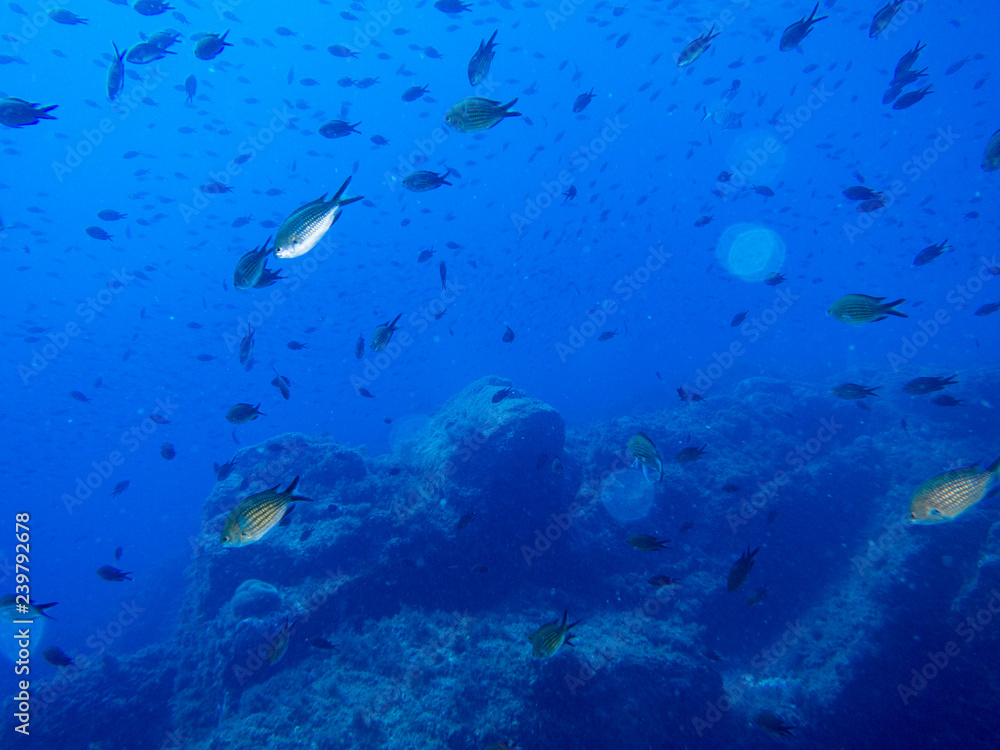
<point>578,280</point>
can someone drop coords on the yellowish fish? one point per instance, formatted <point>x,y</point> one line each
<point>550,637</point>
<point>862,308</point>
<point>947,496</point>
<point>645,454</point>
<point>250,521</point>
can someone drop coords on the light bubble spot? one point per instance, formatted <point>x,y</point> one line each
<point>750,251</point>
<point>627,495</point>
<point>756,158</point>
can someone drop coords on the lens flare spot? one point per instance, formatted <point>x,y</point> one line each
<point>751,252</point>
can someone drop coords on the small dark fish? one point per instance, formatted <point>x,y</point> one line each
<point>738,318</point>
<point>773,724</point>
<point>662,580</point>
<point>689,454</point>
<point>118,554</point>
<point>113,574</point>
<point>988,309</point>
<point>946,400</point>
<point>322,644</point>
<point>443,271</point>
<point>359,346</point>
<point>730,487</point>
<point>741,569</point>
<point>581,102</point>
<point>569,194</point>
<point>425,255</point>
<point>702,221</point>
<point>465,521</point>
<point>796,32</point>
<point>383,334</point>
<point>853,391</point>
<point>119,488</point>
<point>921,386</point>
<point>366,393</point>
<point>647,543</point>
<point>242,413</point>
<point>686,526</point>
<point>685,395</point>
<point>296,346</point>
<point>79,396</point>
<point>931,252</point>
<point>167,451</point>
<point>861,193</point>
<point>501,395</point>
<point>775,278</point>
<point>223,471</point>
<point>282,384</point>
<point>763,190</point>
<point>910,98</point>
<point>57,657</point>
<point>508,335</point>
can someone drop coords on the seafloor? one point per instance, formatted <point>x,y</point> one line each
<point>409,619</point>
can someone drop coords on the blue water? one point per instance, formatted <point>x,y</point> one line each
<point>644,163</point>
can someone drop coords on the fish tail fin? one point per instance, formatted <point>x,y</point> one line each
<point>338,198</point>
<point>42,607</point>
<point>887,308</point>
<point>444,177</point>
<point>490,42</point>
<point>396,320</point>
<point>508,105</point>
<point>300,499</point>
<point>291,488</point>
<point>992,468</point>
<point>645,472</point>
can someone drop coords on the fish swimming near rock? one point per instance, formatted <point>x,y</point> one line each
<point>853,391</point>
<point>647,543</point>
<point>255,516</point>
<point>551,637</point>
<point>741,569</point>
<point>57,657</point>
<point>646,455</point>
<point>948,495</point>
<point>856,309</point>
<point>301,231</point>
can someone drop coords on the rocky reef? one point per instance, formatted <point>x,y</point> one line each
<point>392,610</point>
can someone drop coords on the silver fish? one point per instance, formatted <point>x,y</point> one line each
<point>300,232</point>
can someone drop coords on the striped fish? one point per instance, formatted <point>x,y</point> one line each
<point>423,180</point>
<point>250,521</point>
<point>645,454</point>
<point>697,48</point>
<point>479,65</point>
<point>991,156</point>
<point>550,637</point>
<point>860,308</point>
<point>949,495</point>
<point>301,231</point>
<point>475,114</point>
<point>250,267</point>
<point>383,334</point>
